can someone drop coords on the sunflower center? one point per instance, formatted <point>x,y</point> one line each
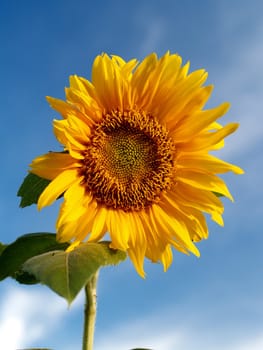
<point>129,154</point>
<point>128,162</point>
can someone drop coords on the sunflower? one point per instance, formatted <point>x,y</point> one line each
<point>136,161</point>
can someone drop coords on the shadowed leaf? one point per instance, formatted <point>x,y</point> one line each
<point>2,247</point>
<point>25,247</point>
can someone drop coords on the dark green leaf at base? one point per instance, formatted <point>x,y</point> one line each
<point>25,247</point>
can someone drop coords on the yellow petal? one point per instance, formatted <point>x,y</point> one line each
<point>77,83</point>
<point>205,181</point>
<point>140,81</point>
<point>60,106</point>
<point>77,229</point>
<point>56,187</point>
<point>109,83</point>
<point>99,225</point>
<point>59,127</point>
<point>174,228</point>
<point>50,165</point>
<point>196,122</point>
<point>167,257</point>
<point>206,162</point>
<point>137,260</point>
<point>117,227</point>
<point>90,110</point>
<point>196,198</point>
<point>73,206</point>
<point>208,140</point>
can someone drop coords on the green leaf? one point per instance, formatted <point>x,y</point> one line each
<point>66,273</point>
<point>25,247</point>
<point>31,189</point>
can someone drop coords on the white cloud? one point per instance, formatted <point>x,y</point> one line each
<point>27,316</point>
<point>252,344</point>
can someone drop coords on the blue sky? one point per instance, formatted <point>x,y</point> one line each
<point>215,302</point>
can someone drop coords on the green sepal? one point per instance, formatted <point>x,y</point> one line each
<point>25,247</point>
<point>218,194</point>
<point>31,189</point>
<point>66,273</point>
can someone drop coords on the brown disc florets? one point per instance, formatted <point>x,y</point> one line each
<point>129,161</point>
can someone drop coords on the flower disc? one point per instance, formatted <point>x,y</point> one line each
<point>129,161</point>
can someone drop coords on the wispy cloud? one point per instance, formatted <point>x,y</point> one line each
<point>241,81</point>
<point>151,333</point>
<point>24,320</point>
<point>153,30</point>
<point>143,333</point>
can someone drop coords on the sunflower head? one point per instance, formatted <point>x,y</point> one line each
<point>136,160</point>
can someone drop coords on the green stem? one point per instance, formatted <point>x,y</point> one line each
<point>90,312</point>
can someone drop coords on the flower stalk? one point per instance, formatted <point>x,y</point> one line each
<point>90,312</point>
